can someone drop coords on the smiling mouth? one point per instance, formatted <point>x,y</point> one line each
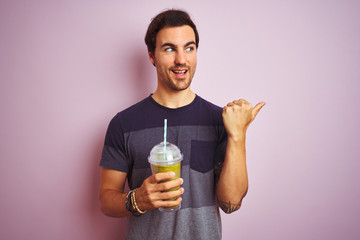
<point>179,71</point>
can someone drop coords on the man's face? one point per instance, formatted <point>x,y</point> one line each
<point>175,57</point>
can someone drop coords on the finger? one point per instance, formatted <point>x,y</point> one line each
<point>230,104</point>
<point>169,184</point>
<point>169,203</point>
<point>172,195</point>
<point>242,101</point>
<point>257,108</point>
<point>158,177</point>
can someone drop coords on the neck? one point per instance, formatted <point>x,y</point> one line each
<point>174,99</point>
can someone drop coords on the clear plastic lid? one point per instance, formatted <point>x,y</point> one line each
<point>172,153</point>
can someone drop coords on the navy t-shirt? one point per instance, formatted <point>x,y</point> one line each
<point>197,129</point>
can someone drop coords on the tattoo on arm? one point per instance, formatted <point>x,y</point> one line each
<point>228,207</point>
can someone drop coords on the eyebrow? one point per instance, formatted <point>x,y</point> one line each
<point>174,46</point>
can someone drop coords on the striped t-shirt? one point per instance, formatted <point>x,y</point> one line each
<point>197,129</point>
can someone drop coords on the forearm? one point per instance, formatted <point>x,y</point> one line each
<point>232,185</point>
<point>113,203</point>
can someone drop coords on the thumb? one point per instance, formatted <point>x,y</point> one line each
<point>158,177</point>
<point>257,108</point>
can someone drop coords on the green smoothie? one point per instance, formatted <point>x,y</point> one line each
<point>166,158</point>
<point>174,168</point>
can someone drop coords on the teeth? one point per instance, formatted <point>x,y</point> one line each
<point>180,71</point>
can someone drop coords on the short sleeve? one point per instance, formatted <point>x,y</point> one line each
<point>114,152</point>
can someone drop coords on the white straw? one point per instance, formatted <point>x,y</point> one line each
<point>165,132</point>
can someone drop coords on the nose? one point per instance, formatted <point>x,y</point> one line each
<point>180,58</point>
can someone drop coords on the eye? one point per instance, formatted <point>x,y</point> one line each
<point>169,50</point>
<point>189,49</point>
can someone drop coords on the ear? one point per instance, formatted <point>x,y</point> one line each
<point>152,58</point>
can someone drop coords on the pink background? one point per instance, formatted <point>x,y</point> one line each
<point>66,67</point>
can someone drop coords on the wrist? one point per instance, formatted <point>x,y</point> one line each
<point>237,138</point>
<point>131,205</point>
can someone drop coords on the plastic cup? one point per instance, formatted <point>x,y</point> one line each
<point>170,161</point>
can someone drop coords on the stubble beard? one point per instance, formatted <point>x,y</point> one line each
<point>176,84</point>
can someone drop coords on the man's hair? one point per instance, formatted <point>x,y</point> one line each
<point>169,18</point>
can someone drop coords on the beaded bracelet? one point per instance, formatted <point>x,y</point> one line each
<point>127,203</point>
<point>133,201</point>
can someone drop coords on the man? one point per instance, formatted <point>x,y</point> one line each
<point>212,140</point>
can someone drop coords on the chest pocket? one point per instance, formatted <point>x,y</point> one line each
<point>202,157</point>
